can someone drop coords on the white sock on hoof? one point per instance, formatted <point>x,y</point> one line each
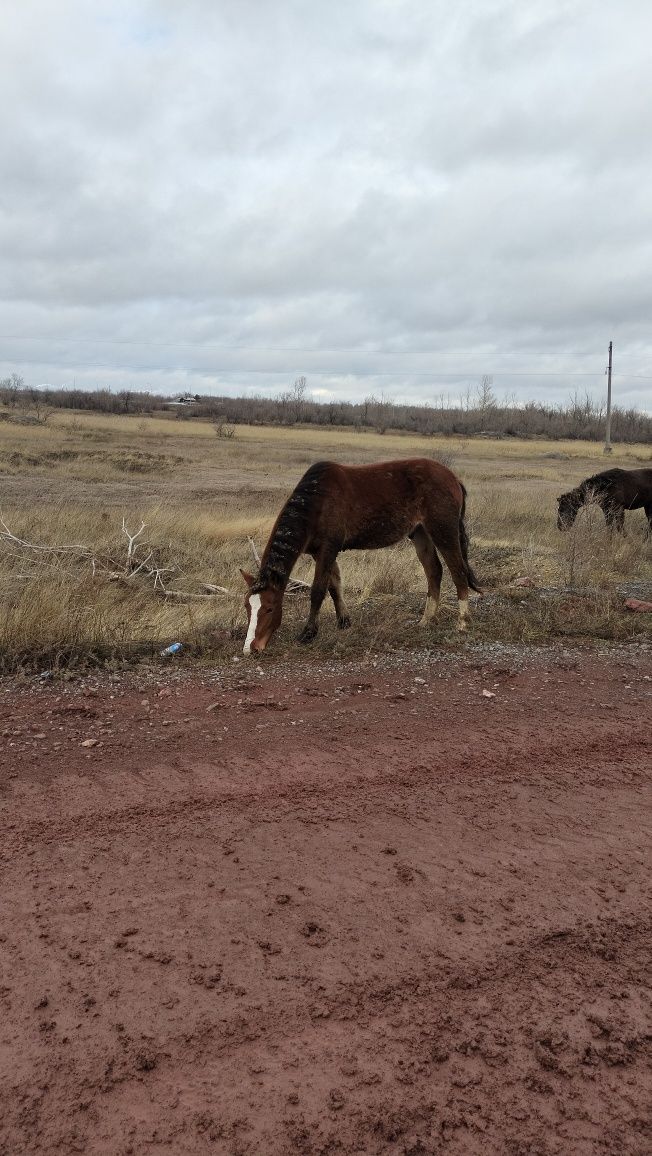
<point>429,611</point>
<point>464,613</point>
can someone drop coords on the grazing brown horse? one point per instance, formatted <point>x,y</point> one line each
<point>615,491</point>
<point>337,508</point>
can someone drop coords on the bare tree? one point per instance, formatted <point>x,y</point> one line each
<point>11,389</point>
<point>298,394</point>
<point>485,398</point>
<point>474,411</point>
<point>33,403</point>
<point>293,401</point>
<point>379,411</point>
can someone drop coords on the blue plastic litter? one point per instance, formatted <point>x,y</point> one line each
<point>174,648</point>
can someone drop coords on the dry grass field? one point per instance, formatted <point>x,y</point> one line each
<point>69,483</point>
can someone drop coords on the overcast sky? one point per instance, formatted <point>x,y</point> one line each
<point>383,195</point>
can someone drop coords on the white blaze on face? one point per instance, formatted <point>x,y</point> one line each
<point>254,607</point>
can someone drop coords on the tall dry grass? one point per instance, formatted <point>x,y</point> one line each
<point>72,481</point>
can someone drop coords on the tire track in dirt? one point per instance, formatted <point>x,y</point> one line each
<point>415,767</point>
<point>385,940</point>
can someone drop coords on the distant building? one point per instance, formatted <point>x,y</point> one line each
<point>184,399</point>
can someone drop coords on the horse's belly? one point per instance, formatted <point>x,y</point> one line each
<point>375,538</point>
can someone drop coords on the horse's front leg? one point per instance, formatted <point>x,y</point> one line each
<point>324,561</point>
<point>614,516</point>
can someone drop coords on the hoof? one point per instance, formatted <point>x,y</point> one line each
<point>344,622</point>
<point>307,634</point>
<point>430,612</point>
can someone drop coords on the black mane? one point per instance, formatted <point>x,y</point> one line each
<point>289,535</point>
<point>600,483</point>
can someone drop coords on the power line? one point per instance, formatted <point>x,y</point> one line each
<point>375,352</point>
<point>212,369</point>
<point>444,375</point>
<point>270,348</point>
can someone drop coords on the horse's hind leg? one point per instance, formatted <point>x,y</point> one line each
<point>335,591</point>
<point>324,562</point>
<point>429,559</point>
<point>648,514</point>
<point>454,559</point>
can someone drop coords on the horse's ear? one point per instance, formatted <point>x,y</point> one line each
<point>249,578</point>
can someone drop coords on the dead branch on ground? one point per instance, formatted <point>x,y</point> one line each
<point>143,565</point>
<point>7,536</point>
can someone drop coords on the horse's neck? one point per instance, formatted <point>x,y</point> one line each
<point>281,553</point>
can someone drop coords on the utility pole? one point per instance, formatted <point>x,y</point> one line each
<point>607,432</point>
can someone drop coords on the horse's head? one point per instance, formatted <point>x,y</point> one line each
<point>264,612</point>
<point>567,507</point>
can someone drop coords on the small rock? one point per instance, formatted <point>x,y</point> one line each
<point>488,694</point>
<point>405,873</point>
<point>269,948</point>
<point>89,743</point>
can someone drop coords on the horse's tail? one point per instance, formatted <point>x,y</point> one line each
<point>464,547</point>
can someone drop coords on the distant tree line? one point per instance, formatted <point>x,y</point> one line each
<point>478,414</point>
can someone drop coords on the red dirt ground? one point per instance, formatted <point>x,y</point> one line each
<point>304,911</point>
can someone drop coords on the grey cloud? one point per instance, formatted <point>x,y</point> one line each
<point>471,180</point>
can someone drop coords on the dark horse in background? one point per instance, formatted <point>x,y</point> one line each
<point>615,491</point>
<point>336,508</point>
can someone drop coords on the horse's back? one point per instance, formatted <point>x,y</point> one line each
<point>398,471</point>
<point>630,488</point>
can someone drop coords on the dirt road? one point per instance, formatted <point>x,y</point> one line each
<point>392,909</point>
